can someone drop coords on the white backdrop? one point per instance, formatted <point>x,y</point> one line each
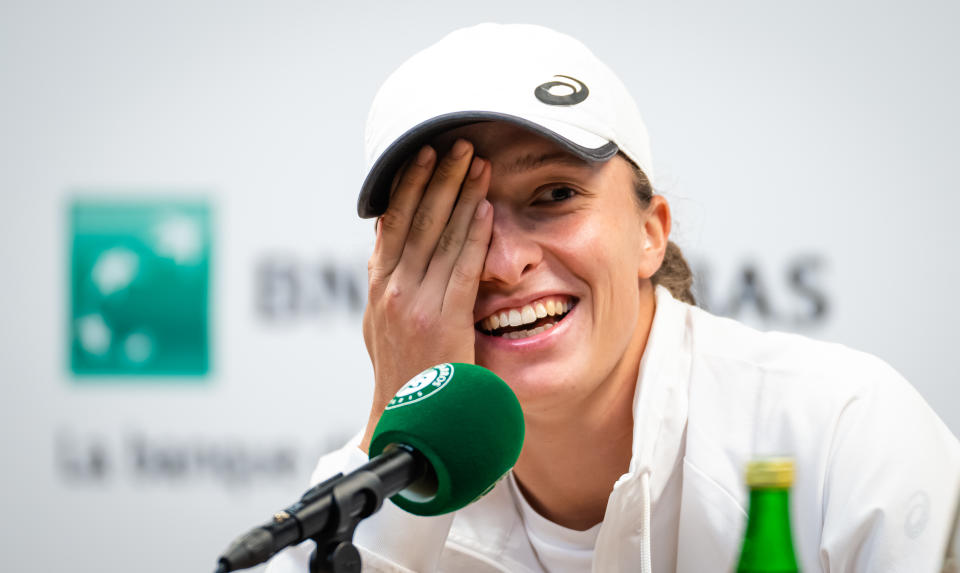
<point>808,150</point>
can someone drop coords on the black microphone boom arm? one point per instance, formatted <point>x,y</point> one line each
<point>329,513</point>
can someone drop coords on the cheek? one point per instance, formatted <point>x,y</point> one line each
<point>609,260</point>
<point>601,246</point>
<point>607,271</point>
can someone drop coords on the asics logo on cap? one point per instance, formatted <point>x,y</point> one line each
<point>544,92</point>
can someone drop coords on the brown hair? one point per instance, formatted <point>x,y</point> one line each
<point>674,272</point>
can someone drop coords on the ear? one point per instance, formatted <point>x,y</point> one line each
<point>655,234</point>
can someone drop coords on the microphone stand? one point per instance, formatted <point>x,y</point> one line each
<point>350,501</point>
<point>329,514</point>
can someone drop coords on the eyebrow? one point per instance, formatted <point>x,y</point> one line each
<point>531,161</point>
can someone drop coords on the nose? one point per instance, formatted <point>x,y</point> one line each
<point>514,250</point>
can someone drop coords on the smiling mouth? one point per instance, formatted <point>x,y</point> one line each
<point>528,320</point>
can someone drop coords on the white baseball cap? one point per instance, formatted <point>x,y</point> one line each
<point>527,75</point>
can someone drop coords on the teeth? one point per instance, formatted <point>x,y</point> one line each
<point>525,333</point>
<point>540,309</point>
<point>485,323</point>
<point>527,315</point>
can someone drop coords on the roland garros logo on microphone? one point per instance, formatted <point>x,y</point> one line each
<point>422,386</point>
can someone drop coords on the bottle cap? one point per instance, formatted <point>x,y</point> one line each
<point>770,473</point>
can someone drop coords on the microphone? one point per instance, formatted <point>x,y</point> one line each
<point>443,441</point>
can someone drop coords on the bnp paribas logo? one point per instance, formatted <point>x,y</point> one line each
<point>139,284</point>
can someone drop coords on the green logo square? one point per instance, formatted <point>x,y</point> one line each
<point>139,281</point>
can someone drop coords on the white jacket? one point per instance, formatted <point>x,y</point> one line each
<point>877,472</point>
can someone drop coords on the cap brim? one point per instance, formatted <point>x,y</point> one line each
<point>375,192</point>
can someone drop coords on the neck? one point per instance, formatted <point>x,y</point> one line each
<point>572,458</point>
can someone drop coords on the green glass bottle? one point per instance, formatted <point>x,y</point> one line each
<point>767,541</point>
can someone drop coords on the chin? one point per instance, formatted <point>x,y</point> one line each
<point>536,385</point>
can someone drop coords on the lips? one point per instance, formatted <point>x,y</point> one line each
<point>527,320</point>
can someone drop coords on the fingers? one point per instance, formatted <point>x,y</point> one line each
<point>435,208</point>
<point>395,222</point>
<point>453,237</point>
<point>461,293</point>
<point>423,238</point>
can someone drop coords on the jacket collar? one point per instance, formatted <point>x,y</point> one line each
<point>660,399</point>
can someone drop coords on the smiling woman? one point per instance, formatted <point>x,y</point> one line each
<point>519,230</point>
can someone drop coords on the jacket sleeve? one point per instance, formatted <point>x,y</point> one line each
<point>389,541</point>
<point>891,482</point>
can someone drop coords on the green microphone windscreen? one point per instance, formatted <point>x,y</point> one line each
<point>466,422</point>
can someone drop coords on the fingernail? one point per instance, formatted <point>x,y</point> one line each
<point>460,148</point>
<point>424,156</point>
<point>477,168</point>
<point>482,208</point>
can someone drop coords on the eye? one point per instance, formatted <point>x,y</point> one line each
<point>555,195</point>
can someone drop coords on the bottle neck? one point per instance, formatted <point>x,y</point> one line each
<point>767,543</point>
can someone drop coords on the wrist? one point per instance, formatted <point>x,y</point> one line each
<point>372,421</point>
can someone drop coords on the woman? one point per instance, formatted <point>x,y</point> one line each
<point>510,171</point>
